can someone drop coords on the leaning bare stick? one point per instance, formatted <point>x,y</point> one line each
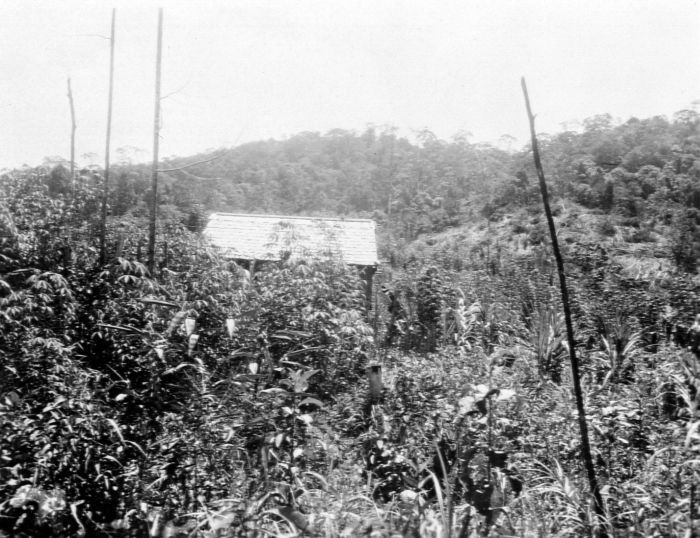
<point>153,216</point>
<point>72,135</point>
<point>583,426</point>
<point>105,186</point>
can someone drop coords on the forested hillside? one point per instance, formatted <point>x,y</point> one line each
<point>431,184</point>
<point>196,400</point>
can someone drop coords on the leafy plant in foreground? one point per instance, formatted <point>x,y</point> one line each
<point>547,339</point>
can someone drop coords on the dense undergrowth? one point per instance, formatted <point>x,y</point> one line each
<point>206,401</point>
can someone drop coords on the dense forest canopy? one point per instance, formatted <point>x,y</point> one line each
<point>645,170</point>
<point>635,168</point>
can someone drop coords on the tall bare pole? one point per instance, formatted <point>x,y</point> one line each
<point>72,134</point>
<point>103,221</point>
<point>575,374</point>
<point>156,139</point>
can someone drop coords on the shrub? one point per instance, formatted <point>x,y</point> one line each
<point>606,227</point>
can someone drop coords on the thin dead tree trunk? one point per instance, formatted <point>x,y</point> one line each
<point>72,135</point>
<point>105,190</point>
<point>156,140</point>
<point>583,426</point>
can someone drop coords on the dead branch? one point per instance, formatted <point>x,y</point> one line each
<point>199,178</point>
<point>174,92</point>
<point>92,35</point>
<point>177,169</point>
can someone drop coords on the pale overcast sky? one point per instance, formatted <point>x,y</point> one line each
<point>243,70</point>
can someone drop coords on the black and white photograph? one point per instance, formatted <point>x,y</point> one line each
<point>349,268</point>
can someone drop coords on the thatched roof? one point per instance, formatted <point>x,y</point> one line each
<point>271,237</point>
